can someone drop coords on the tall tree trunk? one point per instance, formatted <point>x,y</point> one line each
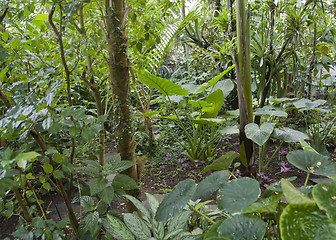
<point>244,82</point>
<point>116,15</point>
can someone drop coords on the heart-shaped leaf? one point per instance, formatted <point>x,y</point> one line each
<point>288,135</point>
<point>257,134</point>
<point>234,196</point>
<point>305,221</point>
<point>313,163</point>
<point>242,227</point>
<point>175,201</point>
<point>210,184</point>
<point>325,197</point>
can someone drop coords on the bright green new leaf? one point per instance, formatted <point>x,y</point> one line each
<point>312,162</point>
<point>236,195</point>
<point>23,158</point>
<point>306,147</point>
<point>242,227</point>
<point>166,87</point>
<point>210,184</point>
<point>325,197</point>
<point>293,196</point>
<point>147,114</point>
<point>306,222</point>
<point>48,168</point>
<point>216,99</point>
<point>175,201</point>
<point>261,134</point>
<point>222,163</point>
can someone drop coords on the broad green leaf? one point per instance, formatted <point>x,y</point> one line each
<point>293,196</point>
<point>213,81</point>
<point>230,130</point>
<point>325,197</point>
<point>212,233</point>
<point>222,163</point>
<point>176,200</point>
<point>124,182</point>
<point>58,174</point>
<point>234,196</point>
<point>270,112</point>
<point>225,85</point>
<point>139,205</point>
<point>3,53</point>
<point>210,184</point>
<point>306,104</point>
<point>166,87</point>
<point>107,194</point>
<point>179,221</point>
<point>306,147</point>
<point>87,203</point>
<point>117,228</point>
<point>137,226</point>
<point>97,184</point>
<point>92,224</point>
<point>288,135</point>
<point>153,202</point>
<point>41,17</point>
<point>264,205</point>
<point>216,99</point>
<point>147,114</point>
<point>242,227</point>
<point>208,121</point>
<point>257,134</point>
<point>23,158</point>
<point>48,168</point>
<point>313,163</point>
<point>306,222</point>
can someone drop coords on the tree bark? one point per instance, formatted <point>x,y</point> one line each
<point>115,19</point>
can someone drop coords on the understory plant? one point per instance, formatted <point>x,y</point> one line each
<point>281,212</point>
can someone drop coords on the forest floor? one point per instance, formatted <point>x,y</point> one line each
<point>159,178</point>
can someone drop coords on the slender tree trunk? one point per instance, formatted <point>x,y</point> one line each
<point>116,15</point>
<point>312,61</point>
<point>244,82</point>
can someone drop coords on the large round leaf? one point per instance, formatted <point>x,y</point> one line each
<point>241,227</point>
<point>238,194</point>
<point>288,135</point>
<point>259,135</point>
<point>305,222</point>
<point>325,197</point>
<point>210,184</point>
<point>312,162</point>
<point>176,200</point>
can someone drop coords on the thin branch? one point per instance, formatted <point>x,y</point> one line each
<point>2,17</point>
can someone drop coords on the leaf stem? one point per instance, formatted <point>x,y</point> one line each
<point>202,214</point>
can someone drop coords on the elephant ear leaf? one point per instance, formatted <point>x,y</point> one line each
<point>165,86</point>
<point>175,201</point>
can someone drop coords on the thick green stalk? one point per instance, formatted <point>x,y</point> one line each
<point>244,82</point>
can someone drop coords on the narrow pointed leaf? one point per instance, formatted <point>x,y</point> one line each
<point>293,196</point>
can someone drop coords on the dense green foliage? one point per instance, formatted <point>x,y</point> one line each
<point>81,81</point>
